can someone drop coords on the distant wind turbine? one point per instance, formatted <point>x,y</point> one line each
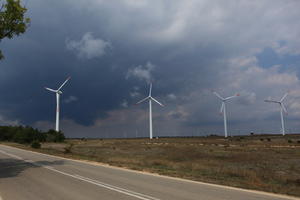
<point>150,98</point>
<point>223,109</point>
<point>58,93</point>
<point>282,109</point>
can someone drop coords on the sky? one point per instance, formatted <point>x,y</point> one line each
<point>187,49</point>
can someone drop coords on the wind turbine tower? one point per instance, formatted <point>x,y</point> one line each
<point>223,109</point>
<point>150,98</point>
<point>282,109</point>
<point>58,92</point>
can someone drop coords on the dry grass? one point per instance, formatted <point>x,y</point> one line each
<point>253,162</point>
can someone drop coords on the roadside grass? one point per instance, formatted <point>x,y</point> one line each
<point>262,162</point>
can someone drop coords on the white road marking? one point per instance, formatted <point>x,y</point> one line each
<point>107,186</point>
<point>11,155</point>
<point>95,182</point>
<point>115,187</point>
<point>49,167</point>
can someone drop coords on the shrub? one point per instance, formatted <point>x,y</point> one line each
<point>50,138</point>
<point>19,137</point>
<point>35,144</point>
<point>290,141</point>
<point>269,139</point>
<point>54,136</point>
<point>68,149</point>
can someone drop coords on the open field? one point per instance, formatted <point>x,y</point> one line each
<point>269,163</point>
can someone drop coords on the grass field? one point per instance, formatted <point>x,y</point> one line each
<point>267,162</point>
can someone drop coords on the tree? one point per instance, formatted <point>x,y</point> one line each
<point>12,20</point>
<point>27,135</point>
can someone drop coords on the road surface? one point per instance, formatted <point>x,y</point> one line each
<point>27,175</point>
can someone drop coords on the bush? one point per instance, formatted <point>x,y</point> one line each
<point>35,145</point>
<point>19,137</point>
<point>68,149</point>
<point>54,136</point>
<point>290,141</point>
<point>27,135</point>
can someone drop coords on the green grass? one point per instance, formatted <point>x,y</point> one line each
<point>269,163</point>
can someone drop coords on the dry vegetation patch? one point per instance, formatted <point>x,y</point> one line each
<point>269,162</point>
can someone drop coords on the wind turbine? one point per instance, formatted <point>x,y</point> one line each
<point>282,109</point>
<point>58,93</point>
<point>150,98</point>
<point>223,109</point>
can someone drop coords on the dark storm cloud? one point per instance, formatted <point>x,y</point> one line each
<point>108,46</point>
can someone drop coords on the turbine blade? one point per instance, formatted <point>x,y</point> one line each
<point>51,90</point>
<point>219,96</point>
<point>222,108</point>
<point>157,101</point>
<point>64,83</point>
<point>271,101</point>
<point>150,91</point>
<point>142,100</point>
<point>236,95</point>
<point>284,109</point>
<point>283,97</point>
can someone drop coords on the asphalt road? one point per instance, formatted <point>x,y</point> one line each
<point>28,175</point>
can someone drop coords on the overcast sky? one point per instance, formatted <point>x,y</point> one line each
<point>114,49</point>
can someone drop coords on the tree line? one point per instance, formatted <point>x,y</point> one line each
<point>28,135</point>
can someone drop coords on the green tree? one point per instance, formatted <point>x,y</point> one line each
<point>12,20</point>
<point>54,136</point>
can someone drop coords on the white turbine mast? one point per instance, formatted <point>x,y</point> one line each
<point>223,109</point>
<point>58,92</point>
<point>282,109</point>
<point>150,98</point>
